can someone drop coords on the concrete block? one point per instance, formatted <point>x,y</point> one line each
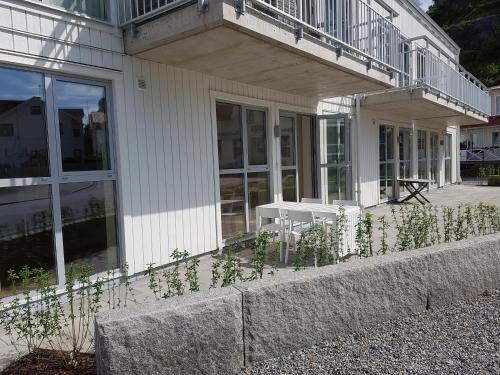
<point>298,311</point>
<point>193,334</point>
<point>464,269</point>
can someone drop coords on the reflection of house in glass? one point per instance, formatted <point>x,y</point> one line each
<point>23,138</point>
<point>82,142</point>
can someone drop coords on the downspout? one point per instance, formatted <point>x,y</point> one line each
<point>357,122</point>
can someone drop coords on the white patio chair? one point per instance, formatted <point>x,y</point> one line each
<point>328,219</point>
<point>276,226</point>
<point>298,222</point>
<point>312,200</point>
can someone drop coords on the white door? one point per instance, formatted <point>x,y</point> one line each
<point>334,158</point>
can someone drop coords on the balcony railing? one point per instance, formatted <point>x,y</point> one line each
<point>352,25</point>
<point>421,67</point>
<point>482,154</point>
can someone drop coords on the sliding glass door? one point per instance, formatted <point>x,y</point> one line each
<point>386,162</point>
<point>335,158</point>
<point>243,166</point>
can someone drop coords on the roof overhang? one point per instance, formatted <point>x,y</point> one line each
<point>423,105</point>
<point>253,48</point>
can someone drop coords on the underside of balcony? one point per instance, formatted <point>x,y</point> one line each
<point>256,49</point>
<point>423,105</point>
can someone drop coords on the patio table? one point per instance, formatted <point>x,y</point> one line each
<point>352,214</point>
<point>415,188</point>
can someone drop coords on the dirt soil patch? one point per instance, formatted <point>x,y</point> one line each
<point>51,362</point>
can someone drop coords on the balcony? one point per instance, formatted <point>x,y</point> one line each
<point>313,48</point>
<point>433,90</point>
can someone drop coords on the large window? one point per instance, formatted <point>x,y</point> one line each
<point>243,166</point>
<point>56,175</point>
<point>92,8</point>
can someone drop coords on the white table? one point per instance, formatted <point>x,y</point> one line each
<point>352,214</point>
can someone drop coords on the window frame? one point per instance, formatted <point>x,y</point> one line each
<point>110,136</point>
<point>323,165</point>
<point>56,174</point>
<point>247,168</point>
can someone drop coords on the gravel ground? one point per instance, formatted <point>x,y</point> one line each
<point>459,339</point>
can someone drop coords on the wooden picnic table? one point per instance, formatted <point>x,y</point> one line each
<point>415,188</point>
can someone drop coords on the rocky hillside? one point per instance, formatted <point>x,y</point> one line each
<point>475,26</point>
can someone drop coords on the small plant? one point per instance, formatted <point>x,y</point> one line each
<point>216,274</point>
<point>448,224</point>
<point>340,231</point>
<point>174,283</point>
<point>231,269</point>
<point>384,226</point>
<point>260,247</point>
<point>32,318</point>
<point>84,301</point>
<point>129,290</point>
<point>227,270</point>
<point>154,284</point>
<point>192,277</point>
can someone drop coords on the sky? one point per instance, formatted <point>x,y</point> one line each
<point>425,4</point>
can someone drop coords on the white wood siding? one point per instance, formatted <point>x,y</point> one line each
<point>33,30</point>
<point>166,157</point>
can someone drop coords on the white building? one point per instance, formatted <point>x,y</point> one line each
<point>166,122</point>
<point>480,143</point>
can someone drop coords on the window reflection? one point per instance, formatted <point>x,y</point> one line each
<point>83,127</point>
<point>229,136</point>
<point>336,140</point>
<point>257,139</point>
<point>92,8</point>
<point>258,194</point>
<point>287,125</point>
<point>23,130</point>
<point>232,200</point>
<point>289,184</point>
<point>89,224</point>
<point>26,231</point>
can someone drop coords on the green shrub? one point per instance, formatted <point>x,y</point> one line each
<point>494,180</point>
